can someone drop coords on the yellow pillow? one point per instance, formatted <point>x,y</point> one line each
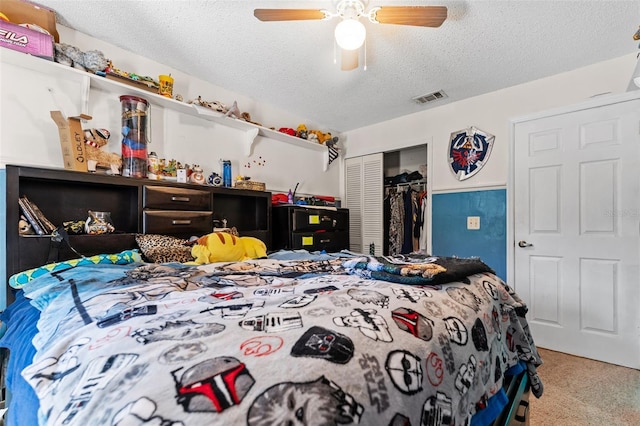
<point>224,247</point>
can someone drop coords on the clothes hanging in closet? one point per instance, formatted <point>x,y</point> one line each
<point>396,223</point>
<point>386,219</point>
<point>417,219</point>
<point>409,197</point>
<point>422,245</point>
<point>404,218</point>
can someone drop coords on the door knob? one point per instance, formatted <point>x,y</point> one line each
<point>523,244</point>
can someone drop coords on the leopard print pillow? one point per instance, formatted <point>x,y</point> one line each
<point>164,248</point>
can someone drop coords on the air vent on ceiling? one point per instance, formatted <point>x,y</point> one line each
<point>430,97</point>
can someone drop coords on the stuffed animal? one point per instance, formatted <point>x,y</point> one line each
<point>24,227</point>
<point>94,140</point>
<point>214,105</point>
<point>325,137</point>
<point>302,131</point>
<point>320,136</point>
<point>234,112</point>
<point>287,130</point>
<point>312,137</point>
<point>225,247</point>
<point>332,143</point>
<point>92,60</point>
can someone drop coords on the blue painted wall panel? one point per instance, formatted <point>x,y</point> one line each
<point>449,226</point>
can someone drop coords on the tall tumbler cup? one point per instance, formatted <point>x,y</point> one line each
<point>226,173</point>
<point>134,136</point>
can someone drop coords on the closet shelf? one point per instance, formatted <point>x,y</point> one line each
<point>402,184</point>
<point>89,81</point>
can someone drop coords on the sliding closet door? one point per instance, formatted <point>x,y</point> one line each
<point>363,189</point>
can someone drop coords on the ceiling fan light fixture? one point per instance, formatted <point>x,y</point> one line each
<point>350,34</point>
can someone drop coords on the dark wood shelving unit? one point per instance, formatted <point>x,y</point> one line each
<point>136,206</point>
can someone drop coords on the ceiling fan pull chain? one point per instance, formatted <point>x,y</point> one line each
<point>364,68</point>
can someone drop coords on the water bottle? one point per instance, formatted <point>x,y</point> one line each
<point>226,173</point>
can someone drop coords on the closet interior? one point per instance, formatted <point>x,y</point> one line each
<point>405,201</point>
<point>376,182</point>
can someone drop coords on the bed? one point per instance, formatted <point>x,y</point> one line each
<point>296,338</point>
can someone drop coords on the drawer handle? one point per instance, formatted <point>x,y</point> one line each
<point>181,199</point>
<point>326,219</point>
<point>325,241</point>
<point>181,222</point>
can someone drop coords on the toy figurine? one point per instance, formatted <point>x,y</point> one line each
<point>197,175</point>
<point>215,179</point>
<point>95,140</point>
<point>24,227</point>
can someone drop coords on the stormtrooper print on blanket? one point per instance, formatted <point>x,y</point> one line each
<point>186,345</point>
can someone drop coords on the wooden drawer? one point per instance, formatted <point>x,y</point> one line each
<point>320,219</point>
<point>171,198</point>
<point>177,222</point>
<point>312,241</point>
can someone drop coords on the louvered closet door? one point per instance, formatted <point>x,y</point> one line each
<point>363,189</point>
<point>372,217</point>
<point>353,201</point>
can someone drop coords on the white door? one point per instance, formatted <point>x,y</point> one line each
<point>577,214</point>
<point>363,197</point>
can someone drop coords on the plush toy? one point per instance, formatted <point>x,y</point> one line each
<point>234,112</point>
<point>320,136</point>
<point>325,137</point>
<point>24,227</point>
<point>302,131</point>
<point>287,130</point>
<point>214,105</point>
<point>332,143</point>
<point>92,60</point>
<point>225,247</point>
<point>94,140</point>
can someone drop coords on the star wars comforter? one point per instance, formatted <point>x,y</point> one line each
<point>270,342</point>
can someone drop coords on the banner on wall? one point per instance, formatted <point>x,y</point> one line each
<point>469,150</point>
<point>333,149</point>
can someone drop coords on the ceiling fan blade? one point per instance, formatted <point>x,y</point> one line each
<point>349,59</point>
<point>420,16</point>
<point>288,14</point>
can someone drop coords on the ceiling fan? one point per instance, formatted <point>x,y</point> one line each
<point>350,33</point>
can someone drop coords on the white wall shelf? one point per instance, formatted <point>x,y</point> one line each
<point>88,81</point>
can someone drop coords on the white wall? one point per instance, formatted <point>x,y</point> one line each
<point>490,113</point>
<point>29,136</point>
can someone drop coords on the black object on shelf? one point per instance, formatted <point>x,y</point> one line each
<point>313,229</point>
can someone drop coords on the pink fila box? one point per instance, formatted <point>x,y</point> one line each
<point>24,40</point>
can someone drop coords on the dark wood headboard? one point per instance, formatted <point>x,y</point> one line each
<point>64,195</point>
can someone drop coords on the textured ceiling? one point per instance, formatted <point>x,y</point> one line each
<point>483,46</point>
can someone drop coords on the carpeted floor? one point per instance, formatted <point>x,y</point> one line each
<point>580,392</point>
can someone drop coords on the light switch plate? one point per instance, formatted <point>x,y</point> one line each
<point>473,222</point>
